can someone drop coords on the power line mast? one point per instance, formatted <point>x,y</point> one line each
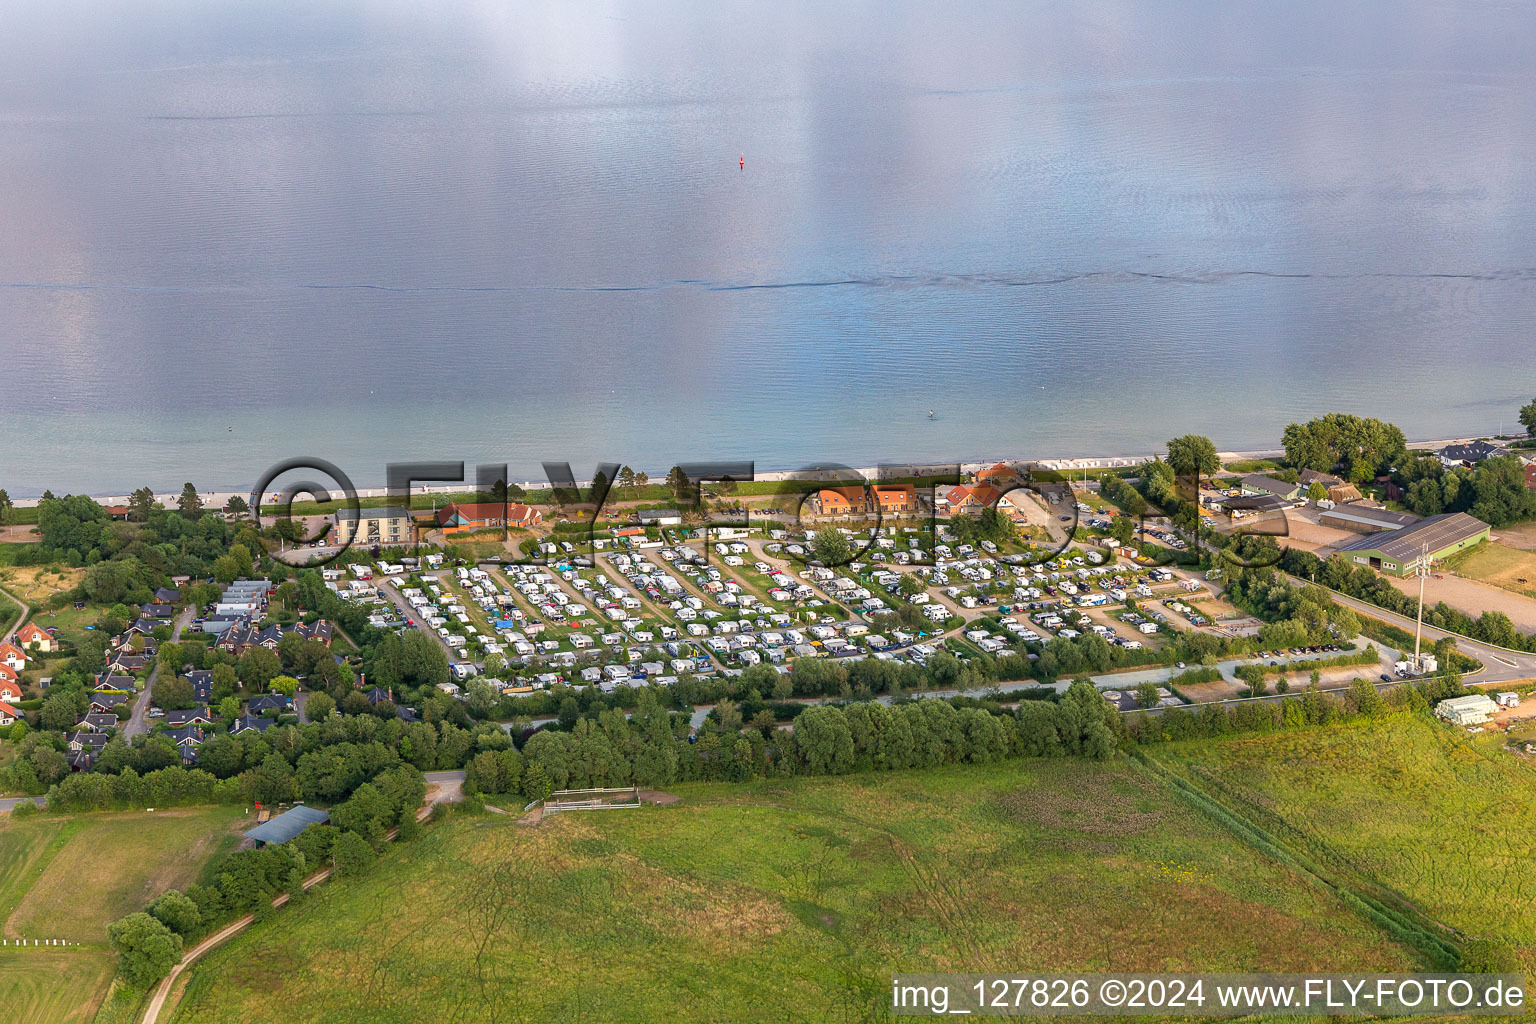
<point>1421,569</point>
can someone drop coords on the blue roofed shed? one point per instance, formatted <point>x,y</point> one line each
<point>287,825</point>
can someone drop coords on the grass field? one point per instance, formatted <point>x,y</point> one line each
<point>1499,565</point>
<point>76,875</point>
<point>789,900</point>
<point>1429,817</point>
<point>56,986</point>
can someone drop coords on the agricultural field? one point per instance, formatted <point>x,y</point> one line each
<point>122,860</point>
<point>790,899</point>
<point>45,985</point>
<point>1417,811</point>
<point>69,877</point>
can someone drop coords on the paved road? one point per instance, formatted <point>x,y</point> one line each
<point>138,722</point>
<point>1499,665</point>
<point>9,803</point>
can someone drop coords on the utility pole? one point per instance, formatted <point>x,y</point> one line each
<point>1420,567</point>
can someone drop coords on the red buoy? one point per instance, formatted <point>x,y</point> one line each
<point>743,163</point>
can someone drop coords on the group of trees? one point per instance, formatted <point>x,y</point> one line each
<point>1337,573</point>
<point>1359,447</point>
<point>1494,491</point>
<point>652,747</point>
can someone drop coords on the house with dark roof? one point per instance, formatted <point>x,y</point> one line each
<point>199,715</point>
<point>245,723</point>
<point>167,595</point>
<point>1469,455</point>
<point>104,702</point>
<point>406,714</point>
<point>87,739</point>
<point>186,736</point>
<point>378,695</point>
<point>97,721</point>
<point>114,682</point>
<point>127,660</point>
<point>276,703</point>
<point>202,684</point>
<point>156,611</point>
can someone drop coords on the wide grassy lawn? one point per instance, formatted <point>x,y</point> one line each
<point>54,986</point>
<point>784,901</point>
<point>1440,822</point>
<point>68,878</point>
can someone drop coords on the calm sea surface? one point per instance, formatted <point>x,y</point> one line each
<point>233,232</point>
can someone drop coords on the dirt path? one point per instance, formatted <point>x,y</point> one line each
<point>445,789</point>
<point>21,620</point>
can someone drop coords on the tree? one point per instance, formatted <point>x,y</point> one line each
<point>1317,492</point>
<point>176,911</point>
<point>642,479</point>
<point>319,707</point>
<point>257,667</point>
<point>1123,529</point>
<point>830,547</point>
<point>1528,418</point>
<point>140,504</point>
<point>146,949</point>
<point>285,685</point>
<point>190,504</point>
<point>351,854</point>
<point>5,507</point>
<point>626,480</point>
<point>236,505</point>
<point>679,484</point>
<point>1192,454</point>
<point>1146,695</point>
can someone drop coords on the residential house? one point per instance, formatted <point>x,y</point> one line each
<point>156,611</point>
<point>97,721</point>
<point>9,690</point>
<point>999,475</point>
<point>276,703</point>
<point>1469,455</point>
<point>167,595</point>
<point>8,714</point>
<point>978,496</point>
<point>191,716</point>
<point>12,657</point>
<point>34,638</point>
<point>202,684</point>
<point>895,499</point>
<point>104,702</point>
<point>489,515</point>
<point>245,723</point>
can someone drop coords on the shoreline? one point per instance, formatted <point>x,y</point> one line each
<point>1056,463</point>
